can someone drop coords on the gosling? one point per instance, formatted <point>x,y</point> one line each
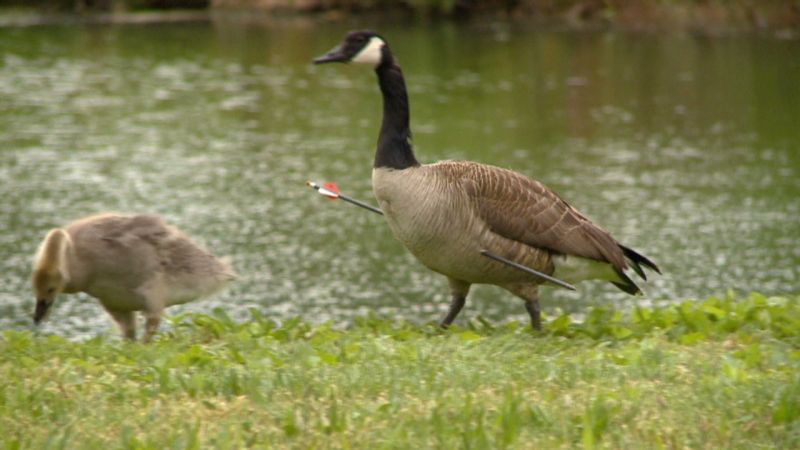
<point>128,262</point>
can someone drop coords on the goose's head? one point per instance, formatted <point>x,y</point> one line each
<point>360,47</point>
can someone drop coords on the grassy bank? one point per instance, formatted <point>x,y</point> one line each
<point>719,373</point>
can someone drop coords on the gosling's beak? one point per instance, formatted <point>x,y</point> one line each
<point>335,55</point>
<point>42,307</point>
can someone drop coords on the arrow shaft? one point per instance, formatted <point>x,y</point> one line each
<point>528,270</point>
<point>366,206</point>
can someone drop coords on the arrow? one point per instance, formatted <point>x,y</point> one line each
<point>527,269</point>
<point>331,191</point>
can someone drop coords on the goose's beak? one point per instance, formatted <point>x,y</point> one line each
<point>42,307</point>
<point>335,55</point>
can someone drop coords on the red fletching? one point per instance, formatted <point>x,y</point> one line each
<point>331,186</point>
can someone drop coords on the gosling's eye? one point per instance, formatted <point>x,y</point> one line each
<point>51,290</point>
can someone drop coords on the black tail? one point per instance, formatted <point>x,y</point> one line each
<point>637,261</point>
<point>626,284</point>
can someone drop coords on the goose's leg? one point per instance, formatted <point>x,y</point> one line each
<point>529,293</point>
<point>126,320</point>
<point>458,292</point>
<point>532,305</point>
<point>456,304</point>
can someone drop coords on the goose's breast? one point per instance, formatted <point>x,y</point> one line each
<point>433,219</point>
<point>414,207</point>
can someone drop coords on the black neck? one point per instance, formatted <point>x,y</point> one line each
<point>394,143</point>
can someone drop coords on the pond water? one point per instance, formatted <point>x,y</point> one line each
<point>685,147</point>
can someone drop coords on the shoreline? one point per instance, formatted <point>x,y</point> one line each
<point>29,18</point>
<point>781,21</point>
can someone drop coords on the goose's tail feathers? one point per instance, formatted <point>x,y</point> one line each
<point>636,261</point>
<point>626,284</point>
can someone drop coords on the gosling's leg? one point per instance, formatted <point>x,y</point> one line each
<point>152,321</point>
<point>126,320</point>
<point>458,292</point>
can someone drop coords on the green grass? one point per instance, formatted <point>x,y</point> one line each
<point>719,373</point>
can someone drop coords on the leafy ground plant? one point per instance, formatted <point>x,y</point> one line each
<point>717,373</point>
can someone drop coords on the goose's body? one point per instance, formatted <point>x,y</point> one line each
<point>430,209</point>
<point>448,212</point>
<point>129,263</point>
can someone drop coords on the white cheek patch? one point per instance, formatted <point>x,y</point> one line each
<point>371,53</point>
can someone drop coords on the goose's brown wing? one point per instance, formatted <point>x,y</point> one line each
<point>519,208</point>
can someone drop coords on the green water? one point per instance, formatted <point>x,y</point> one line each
<point>686,148</point>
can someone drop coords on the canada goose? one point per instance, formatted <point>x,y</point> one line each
<point>129,263</point>
<point>446,213</point>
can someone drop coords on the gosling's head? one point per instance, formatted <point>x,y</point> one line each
<point>360,47</point>
<point>49,272</point>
